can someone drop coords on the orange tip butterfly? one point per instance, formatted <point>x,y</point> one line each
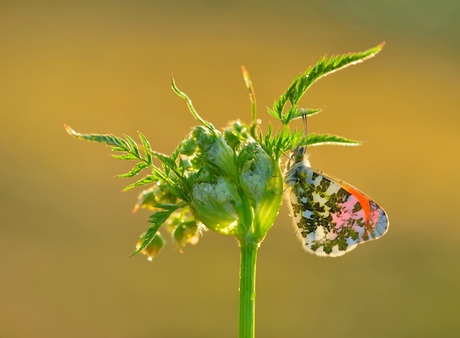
<point>331,217</point>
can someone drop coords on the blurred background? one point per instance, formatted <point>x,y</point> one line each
<point>66,231</point>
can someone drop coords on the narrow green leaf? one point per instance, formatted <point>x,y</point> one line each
<point>278,105</point>
<point>143,181</point>
<point>108,139</point>
<point>147,148</point>
<point>133,146</point>
<point>326,139</point>
<point>165,159</point>
<point>252,97</point>
<point>135,170</point>
<point>274,113</point>
<point>298,113</point>
<point>191,107</point>
<point>127,156</point>
<point>148,237</point>
<point>119,149</point>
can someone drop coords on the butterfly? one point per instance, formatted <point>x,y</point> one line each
<point>331,217</point>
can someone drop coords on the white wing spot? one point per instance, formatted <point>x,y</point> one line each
<point>319,233</point>
<point>333,189</point>
<point>321,200</point>
<point>307,214</point>
<point>317,181</point>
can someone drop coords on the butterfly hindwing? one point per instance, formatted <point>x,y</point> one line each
<point>332,217</point>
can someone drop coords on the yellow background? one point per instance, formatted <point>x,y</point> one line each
<point>105,66</point>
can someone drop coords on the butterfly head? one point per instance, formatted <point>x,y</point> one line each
<point>298,155</point>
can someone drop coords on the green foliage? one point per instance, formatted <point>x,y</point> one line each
<point>128,149</point>
<point>326,139</point>
<point>293,114</point>
<point>124,150</point>
<point>157,219</point>
<point>252,98</point>
<point>283,141</point>
<point>302,82</point>
<point>229,181</point>
<point>149,179</point>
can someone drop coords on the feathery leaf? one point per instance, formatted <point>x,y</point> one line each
<point>143,181</point>
<point>157,219</point>
<point>322,68</point>
<point>135,170</point>
<point>326,139</point>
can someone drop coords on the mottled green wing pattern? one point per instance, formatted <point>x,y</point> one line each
<point>331,216</point>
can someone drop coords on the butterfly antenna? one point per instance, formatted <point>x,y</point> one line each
<point>304,119</point>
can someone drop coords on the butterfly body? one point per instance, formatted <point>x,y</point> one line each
<point>331,216</point>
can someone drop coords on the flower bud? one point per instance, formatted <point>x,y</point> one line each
<point>186,233</point>
<point>153,249</point>
<point>211,149</point>
<point>235,133</point>
<point>184,227</point>
<point>262,182</point>
<point>256,172</point>
<point>150,198</point>
<point>234,182</point>
<point>215,204</point>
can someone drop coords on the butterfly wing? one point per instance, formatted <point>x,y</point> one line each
<point>332,216</point>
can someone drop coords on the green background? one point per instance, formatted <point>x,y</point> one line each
<point>105,66</point>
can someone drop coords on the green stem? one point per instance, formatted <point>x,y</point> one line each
<point>248,258</point>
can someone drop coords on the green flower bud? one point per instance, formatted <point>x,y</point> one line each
<point>150,198</point>
<point>188,145</point>
<point>234,182</point>
<point>236,133</point>
<point>268,202</point>
<point>214,151</point>
<point>256,171</point>
<point>262,183</point>
<point>186,233</point>
<point>216,204</point>
<point>184,227</point>
<point>153,249</point>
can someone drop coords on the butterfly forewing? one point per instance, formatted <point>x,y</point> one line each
<point>332,217</point>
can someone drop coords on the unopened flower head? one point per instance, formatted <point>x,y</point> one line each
<point>229,176</point>
<point>208,147</point>
<point>215,203</point>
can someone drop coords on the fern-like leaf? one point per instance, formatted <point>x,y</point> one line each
<point>129,150</point>
<point>133,146</point>
<point>109,139</point>
<point>147,148</point>
<point>157,219</point>
<point>322,68</point>
<point>283,141</point>
<point>149,179</point>
<point>135,170</point>
<point>326,139</point>
<point>128,156</point>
